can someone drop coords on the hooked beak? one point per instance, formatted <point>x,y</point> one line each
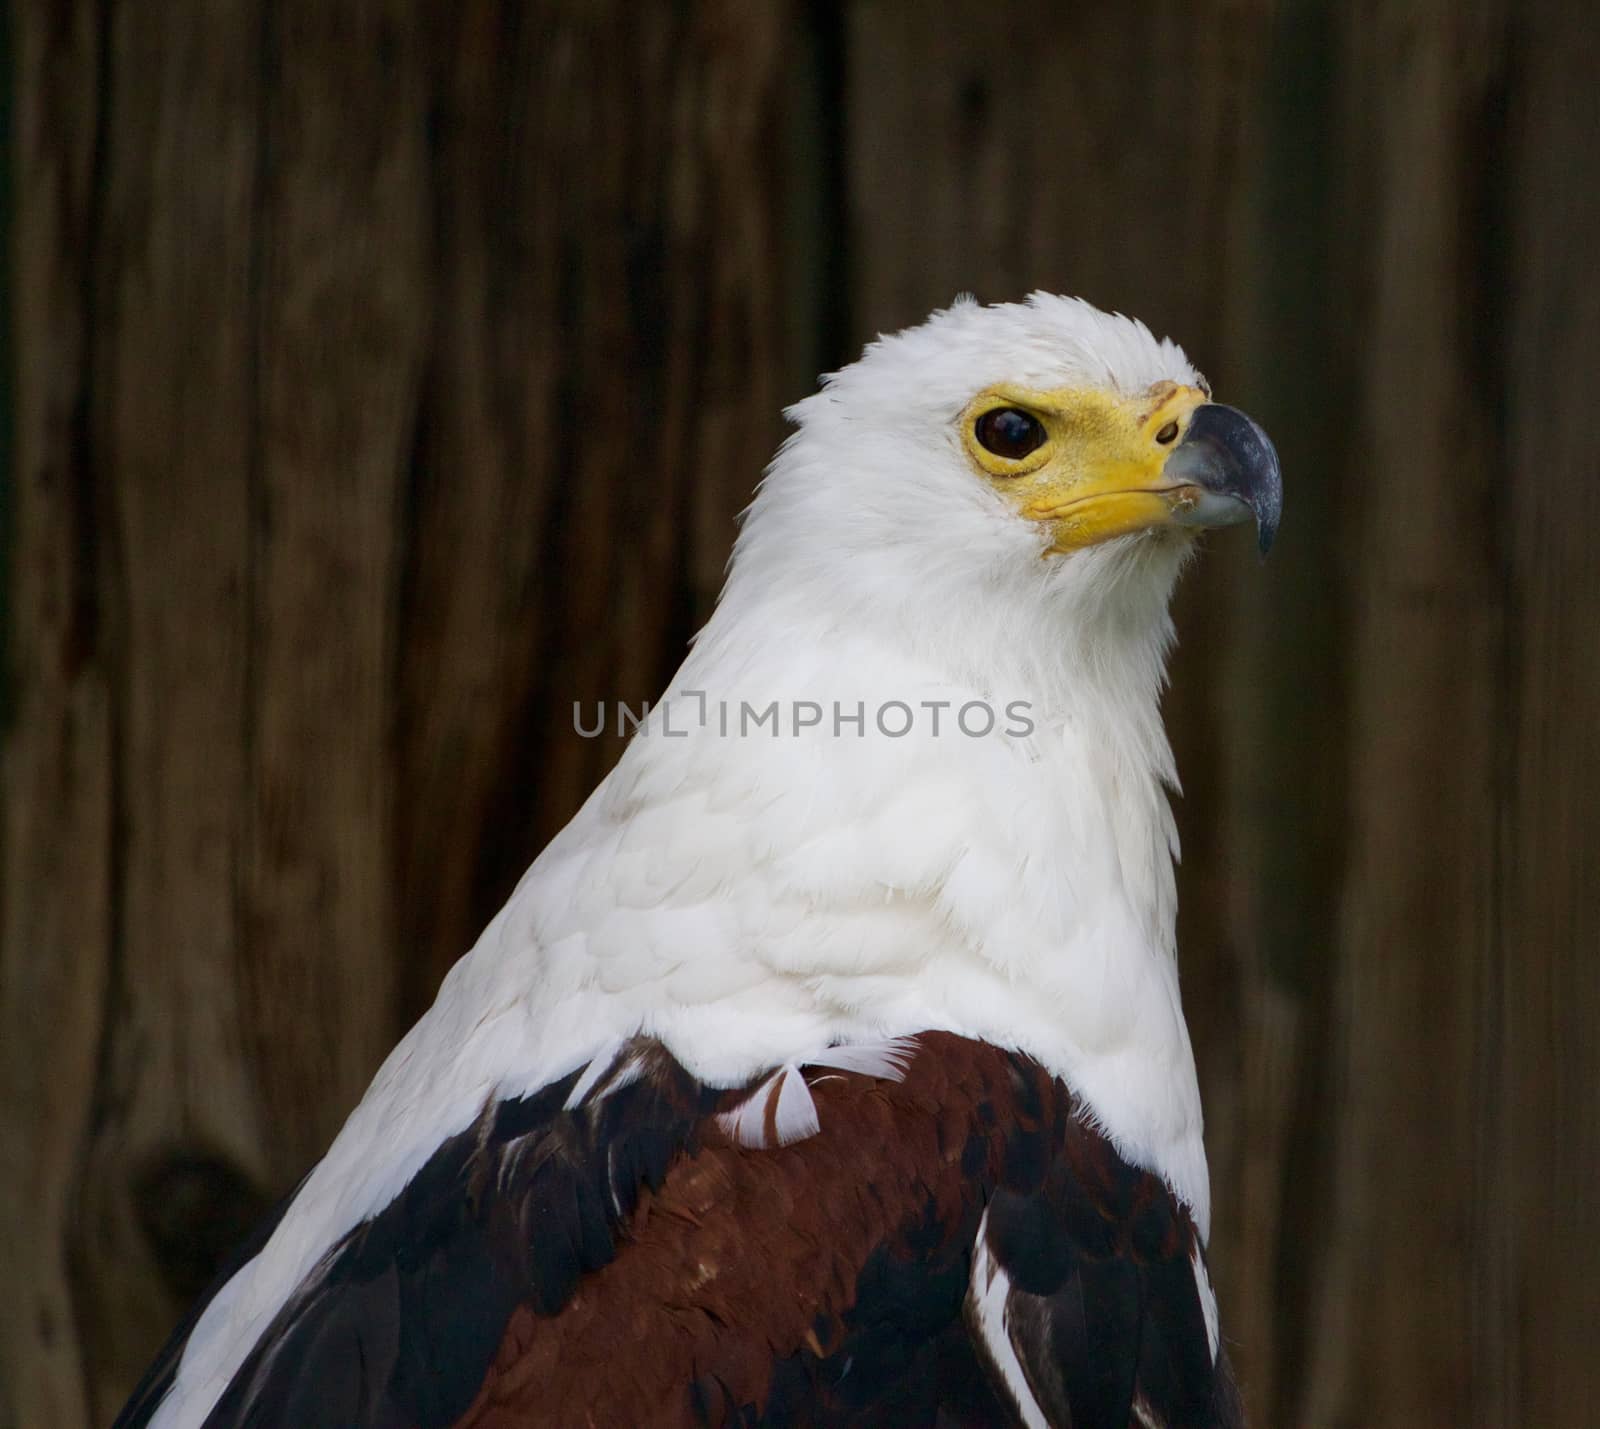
<point>1230,467</point>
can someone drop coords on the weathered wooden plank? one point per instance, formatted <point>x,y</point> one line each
<point>1395,1287</point>
<point>1260,1008</point>
<point>55,771</point>
<point>1550,827</point>
<point>164,374</point>
<point>345,309</point>
<point>601,403</point>
<point>1092,150</point>
<point>213,483</point>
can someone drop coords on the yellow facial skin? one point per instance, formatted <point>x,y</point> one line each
<point>1099,473</point>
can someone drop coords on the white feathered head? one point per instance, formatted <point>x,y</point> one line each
<point>1004,476</point>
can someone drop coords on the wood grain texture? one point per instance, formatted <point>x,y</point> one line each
<point>158,403</point>
<point>1426,627</point>
<point>1269,822</point>
<point>1545,1201</point>
<point>56,897</point>
<point>343,315</point>
<point>602,395</point>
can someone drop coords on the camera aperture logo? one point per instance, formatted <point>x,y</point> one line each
<point>690,711</point>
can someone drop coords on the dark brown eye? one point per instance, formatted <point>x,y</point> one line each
<point>1168,434</point>
<point>1009,432</point>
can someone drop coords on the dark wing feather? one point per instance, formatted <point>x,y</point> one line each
<point>1103,1312</point>
<point>623,1262</point>
<point>398,1325</point>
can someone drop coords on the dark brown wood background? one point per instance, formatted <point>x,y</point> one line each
<point>386,376</point>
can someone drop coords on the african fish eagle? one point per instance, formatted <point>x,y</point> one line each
<point>829,1066</point>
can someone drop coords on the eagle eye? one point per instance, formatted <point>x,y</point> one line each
<point>1168,434</point>
<point>1009,432</point>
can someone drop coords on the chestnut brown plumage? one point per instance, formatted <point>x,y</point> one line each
<point>623,1262</point>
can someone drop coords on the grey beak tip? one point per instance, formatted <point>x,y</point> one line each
<point>1234,457</point>
<point>1268,505</point>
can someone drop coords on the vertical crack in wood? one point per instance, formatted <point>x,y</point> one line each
<point>99,578</point>
<point>1487,166</point>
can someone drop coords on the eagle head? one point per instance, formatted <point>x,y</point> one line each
<point>1003,474</point>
